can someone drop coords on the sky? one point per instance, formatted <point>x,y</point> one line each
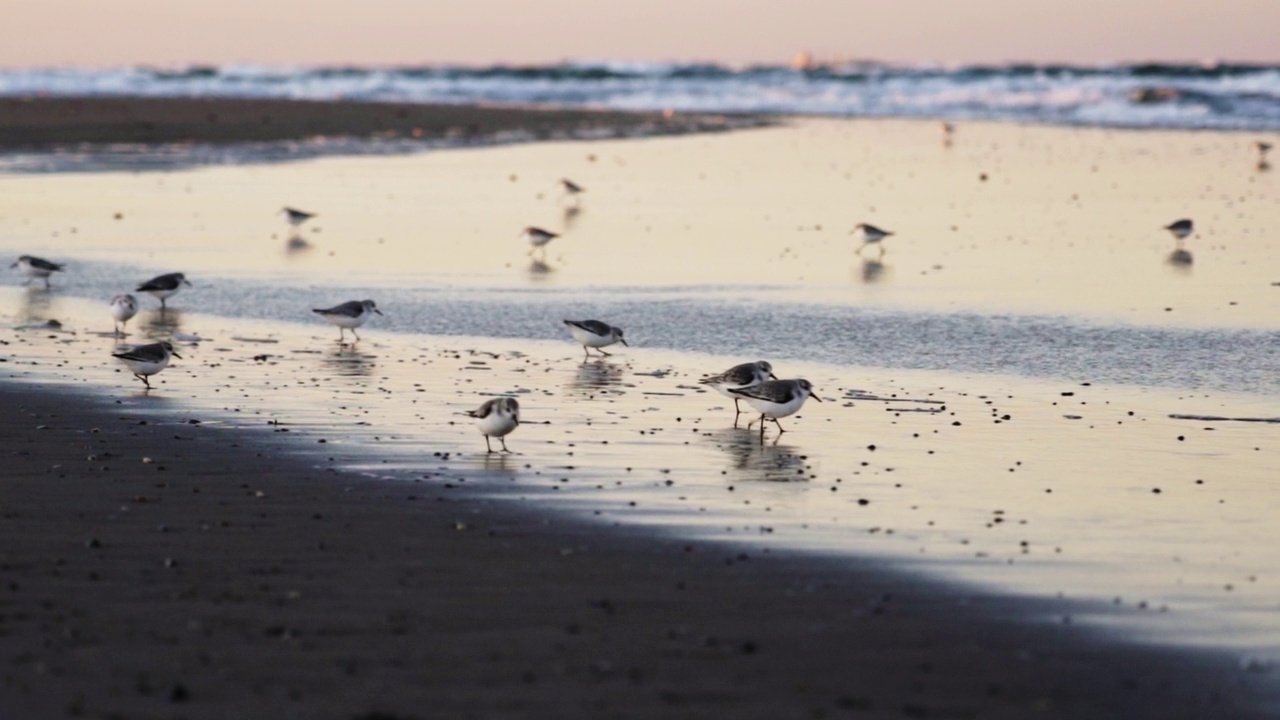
<point>98,33</point>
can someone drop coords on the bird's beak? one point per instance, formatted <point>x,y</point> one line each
<point>14,265</point>
<point>772,376</point>
<point>815,397</point>
<point>378,311</point>
<point>624,342</point>
<point>187,282</point>
<point>175,354</point>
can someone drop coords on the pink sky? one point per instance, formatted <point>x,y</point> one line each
<point>179,32</point>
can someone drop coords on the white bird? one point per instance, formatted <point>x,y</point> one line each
<point>123,308</point>
<point>497,418</point>
<point>537,238</point>
<point>775,399</point>
<point>146,360</point>
<point>595,334</point>
<point>349,315</point>
<point>871,235</point>
<point>739,376</point>
<point>296,217</point>
<point>163,287</point>
<point>33,267</point>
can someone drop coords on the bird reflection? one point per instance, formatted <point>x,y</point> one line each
<point>872,271</point>
<point>1180,259</point>
<point>160,324</point>
<point>569,217</point>
<point>761,463</point>
<point>1263,166</point>
<point>594,376</point>
<point>539,269</point>
<point>344,360</point>
<point>296,245</point>
<point>35,307</point>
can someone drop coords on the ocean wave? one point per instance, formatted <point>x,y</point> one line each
<point>1207,96</point>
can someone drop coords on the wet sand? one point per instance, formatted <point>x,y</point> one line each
<point>44,122</point>
<point>646,556</point>
<point>175,569</point>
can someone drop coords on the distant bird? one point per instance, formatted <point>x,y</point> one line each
<point>164,287</point>
<point>572,189</point>
<point>33,267</point>
<point>123,308</point>
<point>594,334</point>
<point>1181,229</point>
<point>737,377</point>
<point>1263,148</point>
<point>948,134</point>
<point>497,418</point>
<point>349,315</point>
<point>871,235</point>
<point>146,360</point>
<point>537,238</point>
<point>774,399</point>
<point>295,216</point>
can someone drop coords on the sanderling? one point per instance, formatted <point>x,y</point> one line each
<point>497,418</point>
<point>595,334</point>
<point>776,398</point>
<point>571,189</point>
<point>164,287</point>
<point>1181,229</point>
<point>349,315</point>
<point>871,235</point>
<point>537,238</point>
<point>296,217</point>
<point>739,376</point>
<point>948,134</point>
<point>33,267</point>
<point>146,360</point>
<point>123,307</point>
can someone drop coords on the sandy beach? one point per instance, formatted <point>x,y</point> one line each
<point>291,526</point>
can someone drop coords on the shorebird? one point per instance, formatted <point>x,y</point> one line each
<point>572,189</point>
<point>1263,148</point>
<point>948,134</point>
<point>871,235</point>
<point>594,334</point>
<point>737,377</point>
<point>296,217</point>
<point>164,287</point>
<point>497,418</point>
<point>123,307</point>
<point>1181,229</point>
<point>33,267</point>
<point>349,315</point>
<point>537,238</point>
<point>774,399</point>
<point>146,360</point>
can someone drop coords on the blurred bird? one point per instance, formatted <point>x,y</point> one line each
<point>33,267</point>
<point>146,360</point>
<point>123,308</point>
<point>349,315</point>
<point>163,287</point>
<point>595,334</point>
<point>871,235</point>
<point>497,418</point>
<point>296,217</point>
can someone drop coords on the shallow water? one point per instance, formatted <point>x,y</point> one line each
<point>1038,427</point>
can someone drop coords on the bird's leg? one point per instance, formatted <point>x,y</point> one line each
<point>737,411</point>
<point>504,445</point>
<point>586,353</point>
<point>775,422</point>
<point>861,247</point>
<point>353,332</point>
<point>46,282</point>
<point>488,448</point>
<point>602,352</point>
<point>144,379</point>
<point>761,428</point>
<point>342,335</point>
<point>162,305</point>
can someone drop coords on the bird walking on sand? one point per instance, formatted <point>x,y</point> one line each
<point>349,316</point>
<point>775,399</point>
<point>163,287</point>
<point>1263,148</point>
<point>537,238</point>
<point>948,134</point>
<point>123,308</point>
<point>738,377</point>
<point>33,267</point>
<point>497,418</point>
<point>146,360</point>
<point>295,216</point>
<point>871,235</point>
<point>1181,229</point>
<point>594,334</point>
<point>572,190</point>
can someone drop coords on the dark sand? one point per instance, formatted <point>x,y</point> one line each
<point>40,122</point>
<point>227,578</point>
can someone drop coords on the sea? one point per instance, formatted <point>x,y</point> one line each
<point>1220,96</point>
